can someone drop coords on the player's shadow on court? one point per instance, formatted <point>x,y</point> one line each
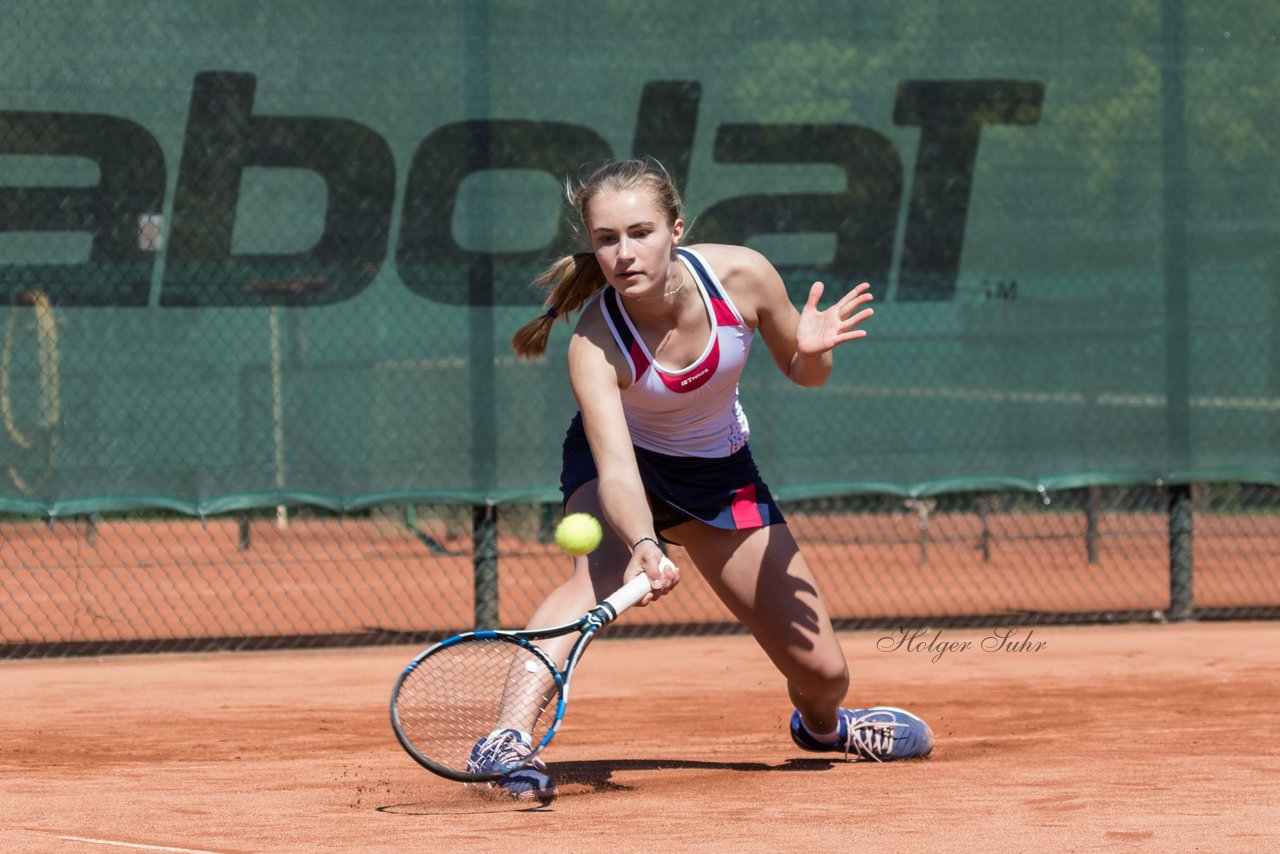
<point>597,775</point>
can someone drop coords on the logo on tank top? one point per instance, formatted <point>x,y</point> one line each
<point>698,378</point>
<point>693,379</point>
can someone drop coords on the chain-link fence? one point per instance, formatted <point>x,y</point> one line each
<point>259,264</point>
<point>394,574</point>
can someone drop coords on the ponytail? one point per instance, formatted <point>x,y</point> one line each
<point>570,282</point>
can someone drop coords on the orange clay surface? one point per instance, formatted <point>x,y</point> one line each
<point>1123,737</point>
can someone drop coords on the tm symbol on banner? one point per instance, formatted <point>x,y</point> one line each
<point>1006,291</point>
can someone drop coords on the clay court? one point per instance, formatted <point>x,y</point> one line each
<point>263,435</point>
<point>1086,738</point>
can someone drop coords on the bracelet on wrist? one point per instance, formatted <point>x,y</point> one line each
<point>642,539</point>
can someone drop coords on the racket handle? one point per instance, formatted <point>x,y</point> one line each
<point>630,593</point>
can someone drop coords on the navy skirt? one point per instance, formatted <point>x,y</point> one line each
<point>724,492</point>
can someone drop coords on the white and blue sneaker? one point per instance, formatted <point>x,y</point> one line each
<point>503,748</point>
<point>882,733</point>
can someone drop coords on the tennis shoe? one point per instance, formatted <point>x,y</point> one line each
<point>882,733</point>
<point>503,748</point>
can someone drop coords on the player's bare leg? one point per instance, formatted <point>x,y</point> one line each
<point>594,576</point>
<point>599,571</point>
<point>762,577</point>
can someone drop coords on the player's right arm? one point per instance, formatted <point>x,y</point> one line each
<point>597,373</point>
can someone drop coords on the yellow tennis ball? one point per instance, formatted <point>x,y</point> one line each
<point>579,533</point>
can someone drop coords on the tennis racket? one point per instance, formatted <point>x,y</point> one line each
<point>459,704</point>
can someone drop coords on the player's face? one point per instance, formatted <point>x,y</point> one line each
<point>633,241</point>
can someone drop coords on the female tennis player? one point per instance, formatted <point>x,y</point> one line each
<point>659,447</point>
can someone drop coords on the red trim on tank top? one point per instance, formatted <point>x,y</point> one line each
<point>639,361</point>
<point>723,313</point>
<point>697,376</point>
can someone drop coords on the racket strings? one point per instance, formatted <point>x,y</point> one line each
<point>458,696</point>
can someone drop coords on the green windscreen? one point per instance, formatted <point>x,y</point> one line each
<point>252,252</point>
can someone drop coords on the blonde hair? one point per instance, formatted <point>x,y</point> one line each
<point>571,281</point>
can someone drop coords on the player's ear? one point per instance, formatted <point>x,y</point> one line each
<point>677,230</point>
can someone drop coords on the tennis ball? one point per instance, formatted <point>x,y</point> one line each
<point>579,533</point>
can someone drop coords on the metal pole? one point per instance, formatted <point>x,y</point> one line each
<point>484,556</point>
<point>484,428</point>
<point>1176,304</point>
<point>1091,500</point>
<point>1181,598</point>
<point>277,412</point>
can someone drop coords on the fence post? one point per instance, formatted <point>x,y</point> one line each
<point>1177,324</point>
<point>476,71</point>
<point>484,561</point>
<point>1091,500</point>
<point>984,542</point>
<point>1181,600</point>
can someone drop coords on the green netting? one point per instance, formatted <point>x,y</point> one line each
<point>262,253</point>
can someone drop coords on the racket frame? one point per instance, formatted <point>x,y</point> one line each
<point>588,625</point>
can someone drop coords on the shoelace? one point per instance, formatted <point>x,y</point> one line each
<point>870,738</point>
<point>507,750</point>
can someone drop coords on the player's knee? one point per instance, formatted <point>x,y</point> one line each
<point>825,680</point>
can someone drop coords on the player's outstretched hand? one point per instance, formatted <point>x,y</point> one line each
<point>820,331</point>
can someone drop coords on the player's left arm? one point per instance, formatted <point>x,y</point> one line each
<point>799,341</point>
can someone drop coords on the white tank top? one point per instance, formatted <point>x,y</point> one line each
<point>691,411</point>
